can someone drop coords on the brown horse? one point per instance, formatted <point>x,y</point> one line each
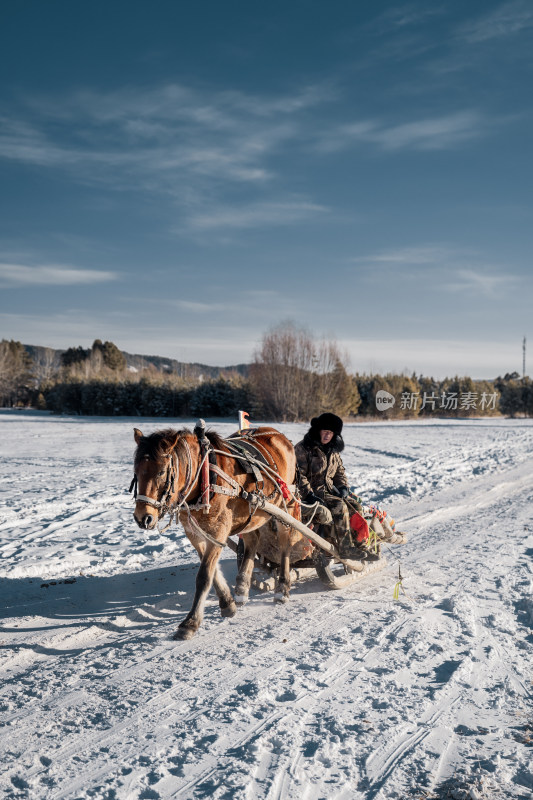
<point>168,470</point>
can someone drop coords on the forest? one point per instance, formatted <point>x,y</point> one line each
<point>293,377</point>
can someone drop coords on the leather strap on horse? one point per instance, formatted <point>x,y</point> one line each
<point>256,502</point>
<point>210,469</point>
<point>197,529</point>
<point>205,448</point>
<point>236,488</point>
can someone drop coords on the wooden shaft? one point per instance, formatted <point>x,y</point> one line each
<point>282,515</point>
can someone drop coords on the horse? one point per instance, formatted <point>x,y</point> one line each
<point>170,469</point>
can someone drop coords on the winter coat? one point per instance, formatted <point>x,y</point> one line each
<point>320,466</point>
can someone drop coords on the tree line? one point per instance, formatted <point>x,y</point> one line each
<point>293,377</point>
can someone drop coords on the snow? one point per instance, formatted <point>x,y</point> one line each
<point>339,694</point>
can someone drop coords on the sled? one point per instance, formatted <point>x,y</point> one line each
<point>313,554</point>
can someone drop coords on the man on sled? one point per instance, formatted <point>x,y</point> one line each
<point>322,481</point>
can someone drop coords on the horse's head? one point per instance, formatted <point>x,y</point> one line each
<point>156,468</point>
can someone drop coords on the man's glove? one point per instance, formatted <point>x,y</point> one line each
<point>344,492</point>
<point>312,498</point>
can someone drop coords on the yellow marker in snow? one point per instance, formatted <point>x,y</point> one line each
<point>398,585</point>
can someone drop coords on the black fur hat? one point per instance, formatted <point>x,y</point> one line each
<point>327,422</point>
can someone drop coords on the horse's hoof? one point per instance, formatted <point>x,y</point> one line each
<point>241,599</point>
<point>279,597</point>
<point>229,611</point>
<point>182,634</point>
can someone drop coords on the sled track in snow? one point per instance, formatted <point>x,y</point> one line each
<point>339,694</point>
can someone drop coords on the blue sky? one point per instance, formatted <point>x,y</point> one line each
<point>180,177</point>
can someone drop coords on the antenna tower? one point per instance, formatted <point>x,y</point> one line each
<point>524,358</point>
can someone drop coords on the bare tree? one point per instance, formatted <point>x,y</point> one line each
<point>15,373</point>
<point>295,377</point>
<point>45,363</point>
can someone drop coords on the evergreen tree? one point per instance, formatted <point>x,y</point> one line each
<point>113,357</point>
<point>74,355</point>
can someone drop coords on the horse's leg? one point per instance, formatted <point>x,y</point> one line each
<point>204,579</point>
<point>225,598</point>
<point>283,585</point>
<point>244,577</point>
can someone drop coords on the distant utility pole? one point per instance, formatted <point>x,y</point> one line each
<point>524,358</point>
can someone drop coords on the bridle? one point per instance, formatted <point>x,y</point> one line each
<point>165,504</point>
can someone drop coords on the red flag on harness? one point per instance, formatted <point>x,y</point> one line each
<point>244,422</point>
<point>359,526</point>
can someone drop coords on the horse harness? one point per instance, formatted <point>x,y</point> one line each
<point>252,459</point>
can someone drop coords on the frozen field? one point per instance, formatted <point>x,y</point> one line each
<point>338,695</point>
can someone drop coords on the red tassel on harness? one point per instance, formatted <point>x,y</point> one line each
<point>359,526</point>
<point>284,489</point>
<point>286,494</point>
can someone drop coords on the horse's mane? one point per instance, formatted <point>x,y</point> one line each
<point>216,439</point>
<point>155,445</point>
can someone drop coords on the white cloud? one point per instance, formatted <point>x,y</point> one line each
<point>343,136</point>
<point>20,275</point>
<point>435,133</point>
<point>438,133</point>
<point>255,215</point>
<point>476,282</point>
<point>447,268</point>
<point>402,16</point>
<point>184,142</point>
<point>507,20</point>
<point>425,254</point>
<point>192,145</point>
<point>195,307</point>
<point>156,138</point>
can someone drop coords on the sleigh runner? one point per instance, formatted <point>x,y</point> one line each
<point>243,485</point>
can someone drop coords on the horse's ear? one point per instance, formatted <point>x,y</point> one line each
<point>172,440</point>
<point>137,434</point>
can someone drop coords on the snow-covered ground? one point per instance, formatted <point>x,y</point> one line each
<point>338,695</point>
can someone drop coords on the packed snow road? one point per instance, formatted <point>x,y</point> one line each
<point>344,694</point>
